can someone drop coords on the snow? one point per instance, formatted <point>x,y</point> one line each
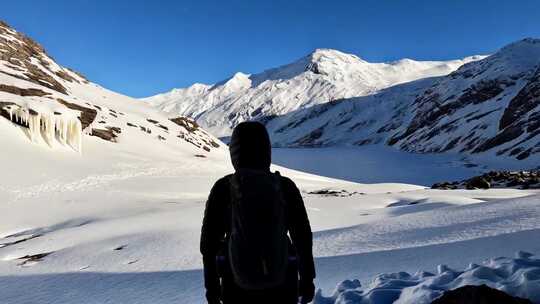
<point>148,200</point>
<point>322,76</point>
<point>519,276</point>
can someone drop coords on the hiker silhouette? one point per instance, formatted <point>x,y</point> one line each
<point>256,239</point>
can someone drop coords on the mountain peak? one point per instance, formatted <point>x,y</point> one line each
<point>237,82</point>
<point>510,61</point>
<point>331,55</point>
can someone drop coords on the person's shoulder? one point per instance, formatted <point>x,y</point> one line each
<point>222,182</point>
<point>287,182</point>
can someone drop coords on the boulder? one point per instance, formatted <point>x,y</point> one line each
<point>478,295</point>
<point>478,182</point>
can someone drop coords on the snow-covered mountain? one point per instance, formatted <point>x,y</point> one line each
<point>479,105</point>
<point>323,76</point>
<point>58,108</point>
<point>486,107</point>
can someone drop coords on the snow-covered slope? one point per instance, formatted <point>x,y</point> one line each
<point>57,108</point>
<point>488,107</point>
<point>516,276</point>
<point>323,76</point>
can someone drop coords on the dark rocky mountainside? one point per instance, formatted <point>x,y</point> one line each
<point>496,179</point>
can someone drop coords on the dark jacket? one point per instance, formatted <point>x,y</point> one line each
<point>250,148</point>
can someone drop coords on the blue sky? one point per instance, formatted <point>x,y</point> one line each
<point>141,48</point>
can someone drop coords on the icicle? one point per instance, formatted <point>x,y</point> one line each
<point>67,129</point>
<point>34,125</point>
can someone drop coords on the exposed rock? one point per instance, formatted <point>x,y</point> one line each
<point>65,76</point>
<point>478,295</point>
<point>432,110</point>
<point>478,182</point>
<point>30,237</point>
<point>525,101</point>
<point>85,80</point>
<point>87,114</point>
<point>22,53</point>
<point>314,67</point>
<point>479,116</point>
<point>524,154</point>
<point>189,124</point>
<point>451,144</point>
<point>363,142</point>
<point>508,134</point>
<point>105,134</point>
<point>483,90</point>
<point>116,130</point>
<point>146,130</point>
<point>3,109</point>
<point>445,185</point>
<point>310,140</point>
<point>338,193</point>
<point>22,92</point>
<point>27,259</point>
<point>496,179</point>
<point>326,192</point>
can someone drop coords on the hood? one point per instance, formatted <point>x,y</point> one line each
<point>250,146</point>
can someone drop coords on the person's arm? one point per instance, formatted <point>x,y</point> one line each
<point>212,233</point>
<point>300,231</point>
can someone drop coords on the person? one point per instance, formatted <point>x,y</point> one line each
<point>272,261</point>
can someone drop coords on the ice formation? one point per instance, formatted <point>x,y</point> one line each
<point>50,126</point>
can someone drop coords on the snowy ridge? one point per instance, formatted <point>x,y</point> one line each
<point>519,276</point>
<point>322,76</point>
<point>57,107</point>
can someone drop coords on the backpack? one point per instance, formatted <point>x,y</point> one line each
<point>258,241</point>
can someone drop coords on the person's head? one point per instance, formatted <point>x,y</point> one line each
<point>250,146</point>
